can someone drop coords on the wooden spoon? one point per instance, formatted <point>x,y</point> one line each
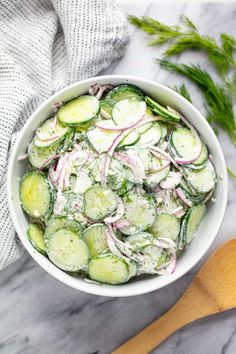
<point>213,290</point>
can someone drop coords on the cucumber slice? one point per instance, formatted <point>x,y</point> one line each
<point>148,112</point>
<point>99,202</point>
<point>146,158</point>
<point>83,182</point>
<point>183,142</point>
<point>106,107</point>
<point>69,140</point>
<point>100,139</point>
<point>96,167</point>
<point>162,111</point>
<point>130,139</point>
<point>156,164</point>
<point>128,111</point>
<point>196,215</point>
<point>143,128</point>
<point>202,181</point>
<point>125,91</point>
<point>36,194</point>
<point>132,270</point>
<point>195,199</point>
<point>182,236</point>
<point>36,237</point>
<point>191,222</point>
<point>79,110</point>
<point>153,179</point>
<point>150,137</point>
<point>116,175</point>
<point>38,156</point>
<point>143,242</point>
<point>140,212</point>
<point>172,204</point>
<point>184,185</point>
<point>138,175</point>
<point>166,225</point>
<point>48,133</point>
<point>201,161</point>
<point>108,269</point>
<point>156,255</point>
<point>164,130</point>
<point>96,239</point>
<point>57,223</point>
<point>140,240</point>
<point>67,251</point>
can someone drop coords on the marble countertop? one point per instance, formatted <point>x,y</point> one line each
<point>39,315</point>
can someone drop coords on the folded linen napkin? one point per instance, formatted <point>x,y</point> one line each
<point>44,46</point>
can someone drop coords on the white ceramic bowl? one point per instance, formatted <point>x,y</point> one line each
<point>208,229</point>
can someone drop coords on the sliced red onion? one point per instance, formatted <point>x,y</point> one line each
<point>170,267</point>
<point>51,180</point>
<point>124,248</point>
<point>131,163</point>
<point>157,151</point>
<point>165,243</point>
<point>171,181</point>
<point>148,119</point>
<point>56,105</point>
<point>182,161</point>
<point>182,196</point>
<point>98,90</point>
<point>106,164</point>
<point>120,224</point>
<point>116,142</point>
<point>119,213</point>
<point>55,122</point>
<point>104,114</point>
<point>77,206</point>
<point>22,157</point>
<point>118,128</point>
<point>63,171</point>
<point>164,165</point>
<point>112,246</point>
<point>77,146</point>
<point>179,212</point>
<point>208,197</point>
<point>55,170</point>
<point>46,162</point>
<point>164,145</point>
<point>45,138</point>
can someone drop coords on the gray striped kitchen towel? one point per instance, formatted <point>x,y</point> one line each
<point>44,46</point>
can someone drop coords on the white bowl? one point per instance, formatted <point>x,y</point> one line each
<point>208,229</point>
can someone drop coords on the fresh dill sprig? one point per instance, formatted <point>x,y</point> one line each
<point>221,56</point>
<point>219,101</point>
<point>188,23</point>
<point>231,86</point>
<point>183,91</point>
<point>232,174</point>
<point>162,33</point>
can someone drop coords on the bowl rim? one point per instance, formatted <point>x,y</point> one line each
<point>99,289</point>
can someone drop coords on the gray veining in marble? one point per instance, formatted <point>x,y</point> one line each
<point>40,315</point>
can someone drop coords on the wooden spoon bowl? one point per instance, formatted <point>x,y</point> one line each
<point>213,290</point>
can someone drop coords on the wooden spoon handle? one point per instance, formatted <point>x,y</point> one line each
<point>149,338</point>
<point>193,304</point>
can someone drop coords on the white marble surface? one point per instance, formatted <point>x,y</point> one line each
<point>40,315</point>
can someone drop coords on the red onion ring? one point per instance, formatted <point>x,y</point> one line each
<point>182,196</point>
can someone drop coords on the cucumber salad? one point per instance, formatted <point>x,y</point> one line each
<point>117,185</point>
